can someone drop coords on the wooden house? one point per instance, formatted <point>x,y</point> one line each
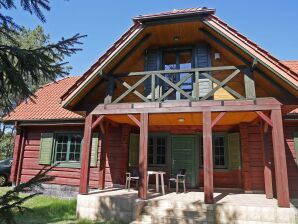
<point>179,89</point>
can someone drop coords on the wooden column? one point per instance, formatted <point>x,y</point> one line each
<point>105,139</point>
<point>245,158</point>
<point>143,151</point>
<point>86,153</point>
<point>249,82</point>
<point>16,155</point>
<point>208,160</point>
<point>266,160</point>
<point>280,163</point>
<point>21,157</point>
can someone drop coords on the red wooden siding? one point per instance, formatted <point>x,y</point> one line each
<point>291,156</point>
<point>115,165</point>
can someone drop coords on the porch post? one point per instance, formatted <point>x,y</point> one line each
<point>280,163</point>
<point>103,156</point>
<point>143,151</point>
<point>86,153</point>
<point>207,156</point>
<point>16,154</point>
<point>267,161</point>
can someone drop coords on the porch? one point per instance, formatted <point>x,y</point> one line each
<point>210,114</point>
<point>228,207</point>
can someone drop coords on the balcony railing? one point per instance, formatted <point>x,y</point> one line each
<point>164,85</point>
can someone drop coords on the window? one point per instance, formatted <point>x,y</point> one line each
<point>178,60</point>
<point>219,151</point>
<point>157,147</point>
<point>68,147</point>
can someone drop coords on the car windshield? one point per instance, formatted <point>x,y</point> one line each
<point>5,162</point>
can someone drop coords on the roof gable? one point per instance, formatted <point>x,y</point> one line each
<point>283,70</point>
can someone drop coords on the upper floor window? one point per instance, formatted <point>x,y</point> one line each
<point>68,147</point>
<point>174,60</point>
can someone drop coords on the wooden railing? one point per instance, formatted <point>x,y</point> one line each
<point>162,85</point>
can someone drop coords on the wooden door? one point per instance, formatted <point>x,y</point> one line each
<point>183,157</point>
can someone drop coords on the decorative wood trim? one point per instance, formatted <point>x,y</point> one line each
<point>280,163</point>
<point>217,119</point>
<point>134,119</point>
<point>264,117</point>
<point>143,154</point>
<point>208,158</point>
<point>98,121</point>
<point>86,154</point>
<point>20,166</point>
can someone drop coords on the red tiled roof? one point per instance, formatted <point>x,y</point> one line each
<point>46,105</point>
<point>293,65</point>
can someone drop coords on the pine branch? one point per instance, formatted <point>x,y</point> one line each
<point>12,201</point>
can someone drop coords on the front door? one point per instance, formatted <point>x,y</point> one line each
<point>183,157</point>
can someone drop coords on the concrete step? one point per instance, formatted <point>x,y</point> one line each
<point>156,219</point>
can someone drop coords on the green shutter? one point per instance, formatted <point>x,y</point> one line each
<point>94,150</point>
<point>134,150</point>
<point>234,151</point>
<point>202,58</point>
<point>296,145</point>
<point>46,148</point>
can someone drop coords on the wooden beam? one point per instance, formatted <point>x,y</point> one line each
<point>143,156</point>
<point>86,154</point>
<point>280,163</point>
<point>217,119</point>
<point>208,158</point>
<point>16,154</point>
<point>98,121</point>
<point>267,161</point>
<point>249,83</point>
<point>109,91</point>
<point>105,137</point>
<point>134,119</point>
<point>260,104</point>
<point>264,117</point>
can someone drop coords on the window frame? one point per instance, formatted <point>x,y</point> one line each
<point>226,156</point>
<point>155,136</point>
<point>66,163</point>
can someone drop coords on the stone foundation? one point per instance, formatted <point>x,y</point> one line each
<point>188,208</point>
<point>62,191</point>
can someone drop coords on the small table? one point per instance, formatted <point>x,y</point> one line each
<point>156,173</point>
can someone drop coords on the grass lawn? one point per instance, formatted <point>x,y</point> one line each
<point>46,209</point>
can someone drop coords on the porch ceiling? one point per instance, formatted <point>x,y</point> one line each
<point>230,118</point>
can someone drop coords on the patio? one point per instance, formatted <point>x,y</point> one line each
<point>119,204</point>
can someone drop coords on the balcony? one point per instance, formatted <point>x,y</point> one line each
<point>197,84</point>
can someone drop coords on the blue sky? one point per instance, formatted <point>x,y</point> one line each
<point>272,24</point>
